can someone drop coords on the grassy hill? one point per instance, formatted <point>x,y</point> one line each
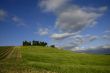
<point>37,59</point>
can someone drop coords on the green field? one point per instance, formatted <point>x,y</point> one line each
<point>38,59</point>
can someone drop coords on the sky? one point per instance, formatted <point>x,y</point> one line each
<point>71,24</point>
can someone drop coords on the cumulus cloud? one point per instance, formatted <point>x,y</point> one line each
<point>104,8</point>
<point>91,38</point>
<point>78,40</point>
<point>18,21</point>
<point>72,19</point>
<point>107,32</point>
<point>43,31</point>
<point>52,5</point>
<point>15,19</point>
<point>56,36</point>
<point>3,14</point>
<point>106,46</point>
<point>73,45</point>
<point>85,38</point>
<point>106,37</point>
<point>76,18</point>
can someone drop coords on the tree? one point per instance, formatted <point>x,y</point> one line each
<point>52,46</point>
<point>26,43</point>
<point>34,43</point>
<point>29,43</point>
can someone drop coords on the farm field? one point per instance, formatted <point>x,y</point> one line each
<point>37,59</point>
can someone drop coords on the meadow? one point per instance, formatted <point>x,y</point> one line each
<point>38,59</point>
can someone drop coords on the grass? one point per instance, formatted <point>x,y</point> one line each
<point>37,59</point>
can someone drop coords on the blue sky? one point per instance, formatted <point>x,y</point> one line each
<point>65,23</point>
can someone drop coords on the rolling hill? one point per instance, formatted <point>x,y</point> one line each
<point>37,59</point>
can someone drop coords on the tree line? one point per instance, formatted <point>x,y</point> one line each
<point>35,43</point>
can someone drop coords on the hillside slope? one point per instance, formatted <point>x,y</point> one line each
<point>36,59</point>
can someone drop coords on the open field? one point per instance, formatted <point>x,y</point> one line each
<point>38,59</point>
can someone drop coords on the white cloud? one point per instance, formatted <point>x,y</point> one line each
<point>3,14</point>
<point>93,24</point>
<point>84,39</point>
<point>91,38</point>
<point>43,31</point>
<point>75,49</point>
<point>56,36</point>
<point>106,37</point>
<point>76,41</point>
<point>52,5</point>
<point>18,21</point>
<point>105,46</point>
<point>104,8</point>
<point>15,19</point>
<point>107,31</point>
<point>76,18</point>
<point>71,19</point>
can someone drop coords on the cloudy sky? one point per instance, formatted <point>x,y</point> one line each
<point>71,24</point>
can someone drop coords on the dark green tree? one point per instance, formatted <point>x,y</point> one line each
<point>26,43</point>
<point>34,43</point>
<point>52,46</point>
